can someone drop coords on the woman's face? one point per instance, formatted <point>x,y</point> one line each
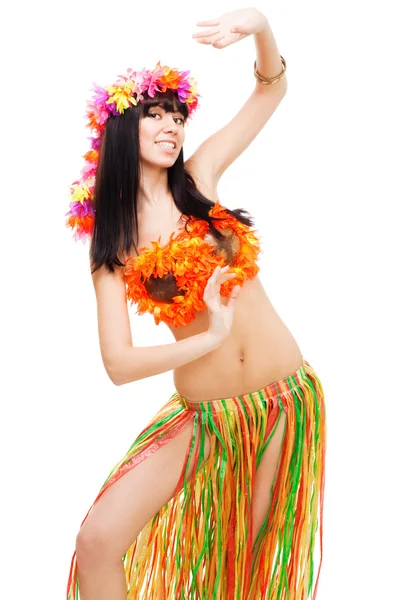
<point>161,136</point>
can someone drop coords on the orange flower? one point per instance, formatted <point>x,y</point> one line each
<point>91,155</point>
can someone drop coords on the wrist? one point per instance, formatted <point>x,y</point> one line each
<point>212,340</point>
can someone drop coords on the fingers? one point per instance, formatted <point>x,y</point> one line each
<point>211,42</point>
<point>209,23</point>
<point>204,34</point>
<point>220,43</point>
<point>219,277</point>
<point>210,38</point>
<point>223,272</point>
<point>212,290</point>
<point>207,41</point>
<point>233,296</point>
<point>217,38</point>
<point>213,278</point>
<point>211,295</point>
<point>220,272</point>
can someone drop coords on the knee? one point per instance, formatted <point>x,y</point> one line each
<point>91,547</point>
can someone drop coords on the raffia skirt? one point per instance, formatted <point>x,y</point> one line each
<point>199,545</point>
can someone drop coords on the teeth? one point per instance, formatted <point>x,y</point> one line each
<point>166,144</point>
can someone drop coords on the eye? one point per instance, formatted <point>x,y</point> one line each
<point>180,119</point>
<point>154,114</point>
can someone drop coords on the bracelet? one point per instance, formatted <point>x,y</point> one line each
<point>269,80</point>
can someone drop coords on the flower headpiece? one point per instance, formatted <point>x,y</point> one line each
<point>114,99</point>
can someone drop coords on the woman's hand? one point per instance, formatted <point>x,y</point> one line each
<point>220,316</point>
<point>231,27</point>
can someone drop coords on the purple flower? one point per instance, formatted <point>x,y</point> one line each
<point>78,210</point>
<point>100,95</point>
<point>95,143</point>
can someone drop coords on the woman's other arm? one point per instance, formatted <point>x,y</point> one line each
<point>124,362</point>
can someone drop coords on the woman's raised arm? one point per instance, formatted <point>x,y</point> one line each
<point>218,151</point>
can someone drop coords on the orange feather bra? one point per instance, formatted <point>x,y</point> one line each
<point>169,281</point>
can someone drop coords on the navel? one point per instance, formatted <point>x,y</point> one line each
<point>241,357</point>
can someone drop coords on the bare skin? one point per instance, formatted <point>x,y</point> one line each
<point>259,350</point>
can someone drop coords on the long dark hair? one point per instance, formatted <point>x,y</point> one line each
<point>117,184</point>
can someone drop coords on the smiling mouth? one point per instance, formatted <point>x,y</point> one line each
<point>169,145</point>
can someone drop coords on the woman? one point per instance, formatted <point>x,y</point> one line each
<point>221,495</point>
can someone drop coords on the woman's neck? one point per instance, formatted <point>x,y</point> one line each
<point>153,188</point>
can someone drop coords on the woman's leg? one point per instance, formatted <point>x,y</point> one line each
<point>122,512</point>
<point>265,475</point>
<point>288,491</point>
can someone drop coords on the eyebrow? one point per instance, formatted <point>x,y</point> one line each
<point>167,106</point>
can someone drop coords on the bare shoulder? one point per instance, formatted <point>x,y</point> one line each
<point>110,289</point>
<point>103,277</point>
<point>204,178</point>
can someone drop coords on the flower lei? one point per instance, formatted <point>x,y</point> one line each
<point>114,99</point>
<point>192,261</point>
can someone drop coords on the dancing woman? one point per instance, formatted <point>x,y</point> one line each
<point>221,495</point>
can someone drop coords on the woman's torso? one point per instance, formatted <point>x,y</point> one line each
<point>259,349</point>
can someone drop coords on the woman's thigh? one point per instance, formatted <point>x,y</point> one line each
<point>119,515</point>
<point>265,476</point>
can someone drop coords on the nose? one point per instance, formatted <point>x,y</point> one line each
<point>170,126</point>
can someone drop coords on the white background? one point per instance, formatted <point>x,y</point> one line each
<point>321,181</point>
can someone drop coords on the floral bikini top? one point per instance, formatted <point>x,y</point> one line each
<point>168,281</point>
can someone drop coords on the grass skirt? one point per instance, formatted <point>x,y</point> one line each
<point>199,545</point>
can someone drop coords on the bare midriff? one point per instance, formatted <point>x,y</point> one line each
<point>258,351</point>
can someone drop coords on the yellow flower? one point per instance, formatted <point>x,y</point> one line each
<point>81,193</point>
<point>122,96</point>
